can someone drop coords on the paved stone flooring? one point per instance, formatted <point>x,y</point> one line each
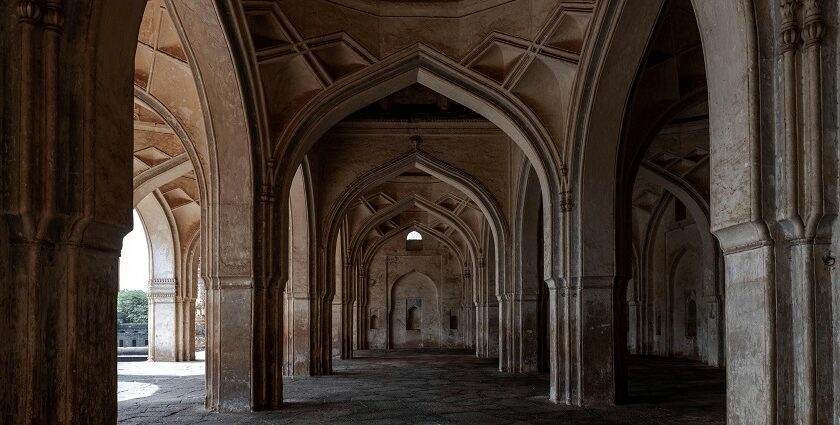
<point>427,387</point>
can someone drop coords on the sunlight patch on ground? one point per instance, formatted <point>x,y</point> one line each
<point>160,368</point>
<point>132,390</point>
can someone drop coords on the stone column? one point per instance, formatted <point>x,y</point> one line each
<point>633,326</point>
<point>750,333</point>
<point>346,329</point>
<point>505,332</point>
<point>297,351</point>
<point>558,330</point>
<point>468,309</point>
<point>518,332</point>
<point>361,325</point>
<point>347,303</point>
<point>481,330</point>
<point>336,329</point>
<point>714,329</point>
<point>229,364</point>
<point>487,315</point>
<point>594,363</point>
<point>528,333</point>
<point>493,323</point>
<point>163,320</point>
<point>65,205</point>
<point>186,334</point>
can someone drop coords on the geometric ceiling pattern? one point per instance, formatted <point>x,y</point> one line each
<point>162,166</point>
<point>530,49</point>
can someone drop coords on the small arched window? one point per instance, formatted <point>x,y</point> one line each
<point>412,319</point>
<point>691,319</point>
<point>453,322</point>
<point>414,241</point>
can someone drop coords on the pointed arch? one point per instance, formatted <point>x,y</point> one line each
<point>234,381</point>
<point>421,64</point>
<point>435,167</point>
<point>613,60</point>
<point>165,270</point>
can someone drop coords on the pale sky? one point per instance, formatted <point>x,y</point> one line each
<point>134,262</point>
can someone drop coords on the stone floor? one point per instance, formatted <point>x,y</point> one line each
<point>427,387</point>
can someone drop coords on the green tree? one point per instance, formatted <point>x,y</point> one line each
<point>132,306</point>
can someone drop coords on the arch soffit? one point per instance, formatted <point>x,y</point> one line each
<point>608,71</point>
<point>221,92</point>
<point>189,282</point>
<point>674,266</point>
<point>162,235</point>
<point>686,193</point>
<point>155,105</point>
<point>525,183</point>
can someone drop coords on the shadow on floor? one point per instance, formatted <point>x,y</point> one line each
<point>416,387</point>
<point>678,384</point>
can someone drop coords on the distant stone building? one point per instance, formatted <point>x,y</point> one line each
<point>132,335</point>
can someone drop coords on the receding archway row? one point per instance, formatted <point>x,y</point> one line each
<point>744,209</point>
<point>360,257</point>
<point>170,153</point>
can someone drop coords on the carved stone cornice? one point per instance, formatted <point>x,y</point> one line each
<point>162,288</point>
<point>566,202</point>
<point>53,16</point>
<point>416,142</point>
<point>814,26</point>
<point>789,31</point>
<point>28,11</point>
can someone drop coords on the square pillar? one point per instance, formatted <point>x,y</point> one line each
<point>593,297</point>
<point>163,320</point>
<point>750,336</point>
<point>230,313</point>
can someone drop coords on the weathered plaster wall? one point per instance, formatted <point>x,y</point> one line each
<point>433,275</point>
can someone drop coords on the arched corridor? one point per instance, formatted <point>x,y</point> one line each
<point>501,211</point>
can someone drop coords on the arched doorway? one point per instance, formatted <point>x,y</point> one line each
<point>414,312</point>
<point>601,222</point>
